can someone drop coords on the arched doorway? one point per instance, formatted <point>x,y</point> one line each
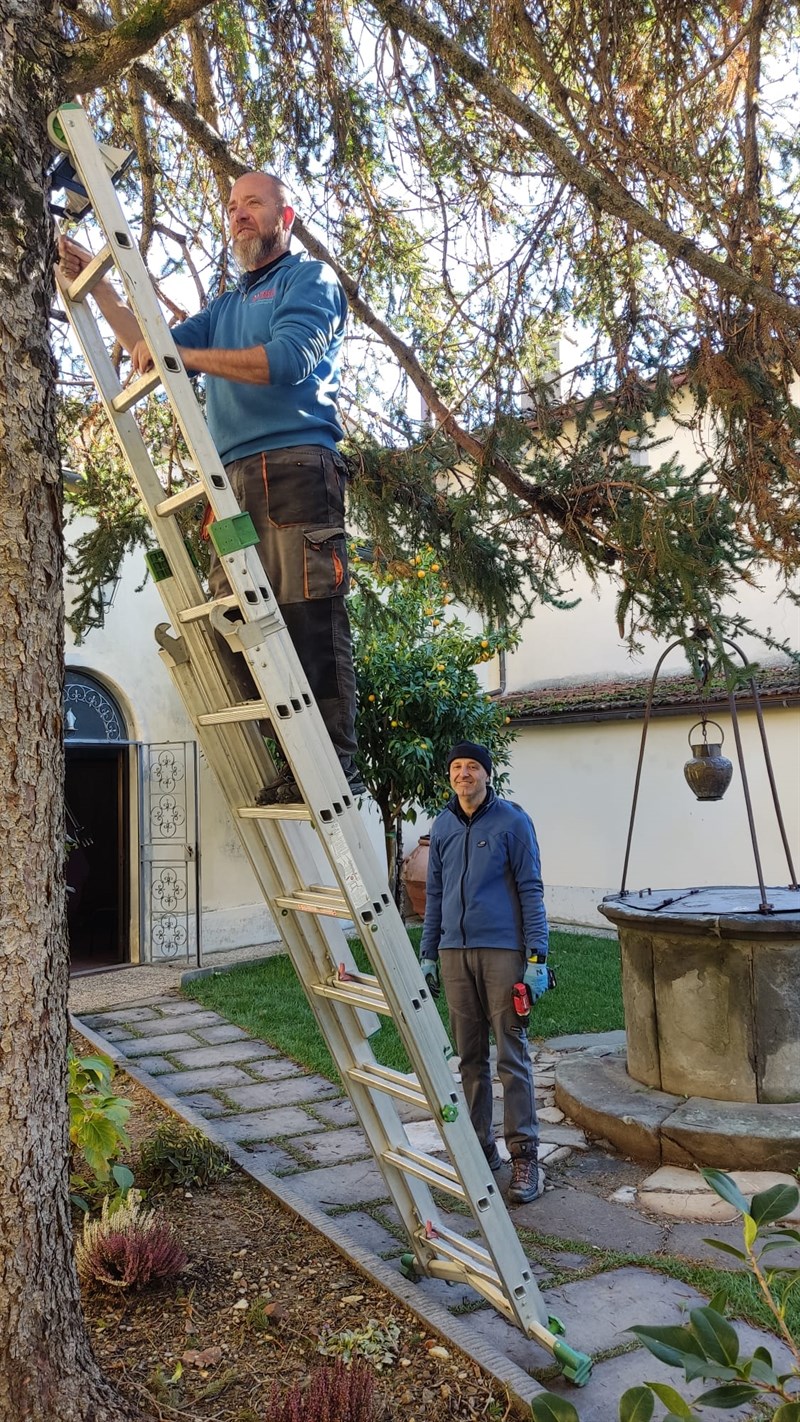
<point>97,789</point>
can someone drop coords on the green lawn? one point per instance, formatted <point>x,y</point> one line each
<point>267,1000</point>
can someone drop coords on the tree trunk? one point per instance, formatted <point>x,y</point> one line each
<point>47,1370</point>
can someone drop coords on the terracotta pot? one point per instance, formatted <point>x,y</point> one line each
<point>414,874</point>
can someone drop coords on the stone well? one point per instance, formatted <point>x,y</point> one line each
<point>711,990</point>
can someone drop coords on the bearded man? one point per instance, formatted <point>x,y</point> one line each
<point>270,351</point>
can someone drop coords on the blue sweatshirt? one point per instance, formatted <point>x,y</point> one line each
<point>484,887</point>
<point>296,309</point>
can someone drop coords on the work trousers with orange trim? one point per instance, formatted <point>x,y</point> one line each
<point>295,498</point>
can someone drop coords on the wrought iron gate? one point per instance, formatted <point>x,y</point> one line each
<point>170,866</point>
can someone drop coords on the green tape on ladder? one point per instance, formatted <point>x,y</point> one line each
<point>157,565</point>
<point>230,535</point>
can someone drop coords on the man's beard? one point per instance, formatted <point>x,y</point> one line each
<point>254,252</point>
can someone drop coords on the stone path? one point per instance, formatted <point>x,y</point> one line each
<point>297,1134</point>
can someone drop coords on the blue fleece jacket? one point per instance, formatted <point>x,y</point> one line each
<point>296,309</point>
<point>484,887</point>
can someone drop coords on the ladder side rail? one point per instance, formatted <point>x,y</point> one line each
<point>428,1047</point>
<point>314,947</point>
<point>284,857</point>
<point>144,303</point>
<point>290,683</point>
<point>253,590</point>
<point>526,1302</point>
<point>414,1203</point>
<point>131,442</point>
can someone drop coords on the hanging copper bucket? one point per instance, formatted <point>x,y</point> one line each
<point>709,772</point>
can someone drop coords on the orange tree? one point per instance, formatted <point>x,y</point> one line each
<point>418,687</point>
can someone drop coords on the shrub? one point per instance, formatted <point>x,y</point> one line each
<point>128,1248</point>
<point>97,1120</point>
<point>333,1394</point>
<point>180,1155</point>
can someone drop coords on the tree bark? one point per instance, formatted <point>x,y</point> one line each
<point>47,1370</point>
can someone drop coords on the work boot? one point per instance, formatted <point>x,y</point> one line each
<point>525,1184</point>
<point>284,790</point>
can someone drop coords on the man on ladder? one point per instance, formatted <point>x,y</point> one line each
<point>270,351</point>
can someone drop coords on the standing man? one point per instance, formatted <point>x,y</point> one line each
<point>271,351</point>
<point>485,915</point>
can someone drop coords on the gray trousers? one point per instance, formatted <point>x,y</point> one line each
<point>478,984</point>
<point>295,498</point>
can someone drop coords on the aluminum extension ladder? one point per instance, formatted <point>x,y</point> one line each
<point>289,858</point>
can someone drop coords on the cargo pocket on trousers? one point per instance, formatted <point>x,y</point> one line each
<point>324,562</point>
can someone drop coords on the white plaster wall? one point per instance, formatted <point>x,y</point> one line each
<point>576,781</point>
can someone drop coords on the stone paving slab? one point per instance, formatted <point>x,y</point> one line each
<point>277,1160</point>
<point>204,1104</point>
<point>358,1183</point>
<point>329,1147</point>
<point>688,1240</point>
<point>277,1069</point>
<point>598,1311</point>
<point>99,1020</point>
<point>370,1234</point>
<point>154,1066</point>
<point>226,1032</point>
<point>277,1093</point>
<point>173,1006</point>
<point>181,1083</point>
<point>117,1034</point>
<point>336,1113</point>
<point>185,1022</point>
<point>579,1215</point>
<point>598,1401</point>
<point>226,1053</point>
<point>684,1195</point>
<point>170,1042</point>
<point>265,1125</point>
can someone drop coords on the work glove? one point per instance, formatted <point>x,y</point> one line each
<point>536,979</point>
<point>430,968</point>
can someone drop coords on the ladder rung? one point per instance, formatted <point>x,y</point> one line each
<point>135,392</point>
<point>426,1168</point>
<point>356,994</point>
<point>392,1082</point>
<point>331,905</point>
<point>91,275</point>
<point>204,609</point>
<point>274,812</point>
<point>230,715</point>
<point>190,495</point>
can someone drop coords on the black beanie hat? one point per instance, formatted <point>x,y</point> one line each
<point>468,750</point>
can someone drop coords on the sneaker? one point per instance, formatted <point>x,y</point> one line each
<point>493,1158</point>
<point>525,1183</point>
<point>284,790</point>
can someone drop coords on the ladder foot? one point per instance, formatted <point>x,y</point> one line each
<point>408,1268</point>
<point>576,1367</point>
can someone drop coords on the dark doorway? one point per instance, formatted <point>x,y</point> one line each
<point>98,908</point>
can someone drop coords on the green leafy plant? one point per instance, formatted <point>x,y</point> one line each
<point>376,1342</point>
<point>97,1120</point>
<point>178,1155</point>
<point>418,688</point>
<point>708,1347</point>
